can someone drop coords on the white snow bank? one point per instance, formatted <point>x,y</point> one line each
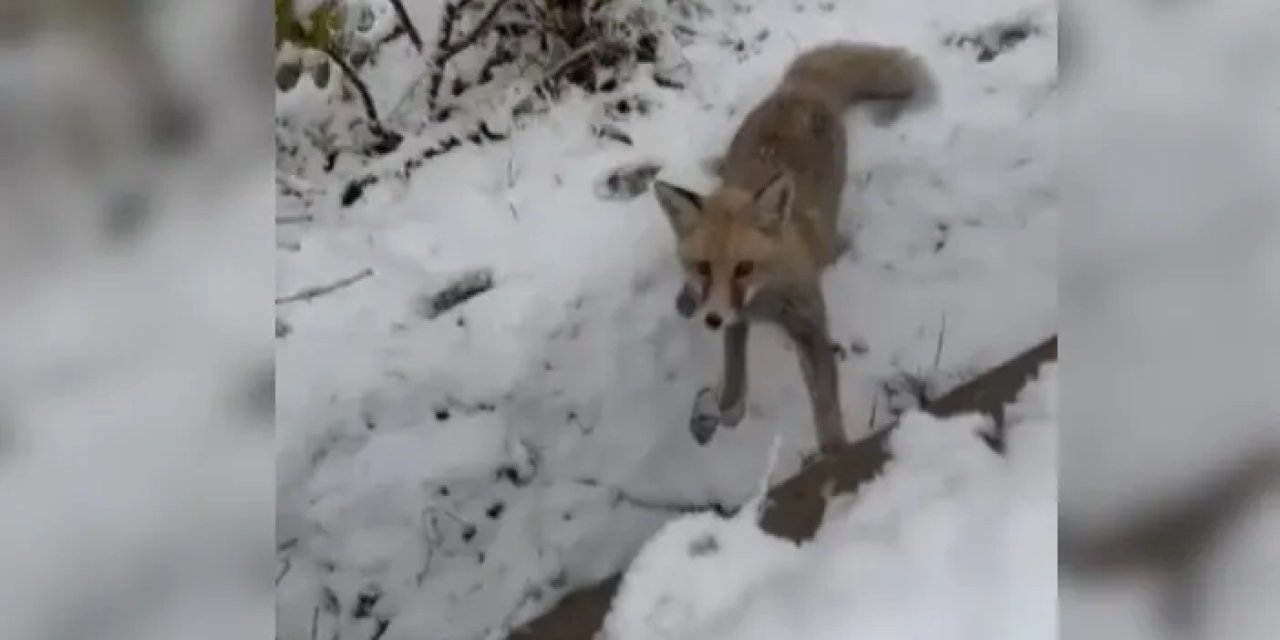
<point>952,542</point>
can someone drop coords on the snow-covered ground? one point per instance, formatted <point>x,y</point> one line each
<point>458,472</point>
<point>952,541</point>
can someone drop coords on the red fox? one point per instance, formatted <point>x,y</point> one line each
<point>755,248</point>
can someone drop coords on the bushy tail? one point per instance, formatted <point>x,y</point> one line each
<point>845,73</point>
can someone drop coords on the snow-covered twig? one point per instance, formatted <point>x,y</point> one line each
<point>481,27</point>
<point>620,496</point>
<point>570,59</point>
<point>312,293</point>
<point>481,134</point>
<point>446,50</point>
<point>431,534</point>
<point>284,570</point>
<point>548,80</point>
<point>295,183</point>
<point>366,98</point>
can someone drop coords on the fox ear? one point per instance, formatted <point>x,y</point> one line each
<point>683,207</point>
<point>774,202</point>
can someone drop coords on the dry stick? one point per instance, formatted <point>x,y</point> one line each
<point>311,293</point>
<point>394,35</point>
<point>283,571</point>
<point>414,36</point>
<point>937,355</point>
<point>620,496</point>
<point>295,219</point>
<point>366,98</point>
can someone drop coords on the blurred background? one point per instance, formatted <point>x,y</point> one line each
<point>1169,508</point>
<point>136,279</point>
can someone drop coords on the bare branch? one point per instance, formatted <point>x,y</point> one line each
<point>481,27</point>
<point>446,50</point>
<point>937,355</point>
<point>311,293</point>
<point>620,496</point>
<point>370,109</point>
<point>283,570</point>
<point>407,24</point>
<point>548,81</point>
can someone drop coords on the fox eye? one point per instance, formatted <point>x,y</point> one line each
<point>744,269</point>
<point>703,267</point>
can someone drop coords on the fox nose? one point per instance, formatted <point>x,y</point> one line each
<point>714,320</point>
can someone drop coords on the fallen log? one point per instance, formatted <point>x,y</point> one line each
<point>795,506</point>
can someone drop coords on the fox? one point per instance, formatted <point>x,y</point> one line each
<point>755,247</point>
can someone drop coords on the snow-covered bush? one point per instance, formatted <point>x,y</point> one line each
<point>493,60</point>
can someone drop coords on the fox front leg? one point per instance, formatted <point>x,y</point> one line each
<point>726,404</point>
<point>732,394</point>
<point>706,415</point>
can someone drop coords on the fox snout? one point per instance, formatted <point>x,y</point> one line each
<point>712,310</point>
<point>686,302</point>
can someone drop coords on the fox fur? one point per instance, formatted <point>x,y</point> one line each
<point>754,249</point>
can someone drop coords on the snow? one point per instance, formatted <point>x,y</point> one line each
<point>559,400</point>
<point>952,541</point>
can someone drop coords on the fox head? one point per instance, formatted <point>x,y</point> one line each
<point>729,244</point>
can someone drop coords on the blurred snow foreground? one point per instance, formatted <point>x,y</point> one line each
<point>953,541</point>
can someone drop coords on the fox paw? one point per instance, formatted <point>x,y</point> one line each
<point>731,415</point>
<point>705,418</point>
